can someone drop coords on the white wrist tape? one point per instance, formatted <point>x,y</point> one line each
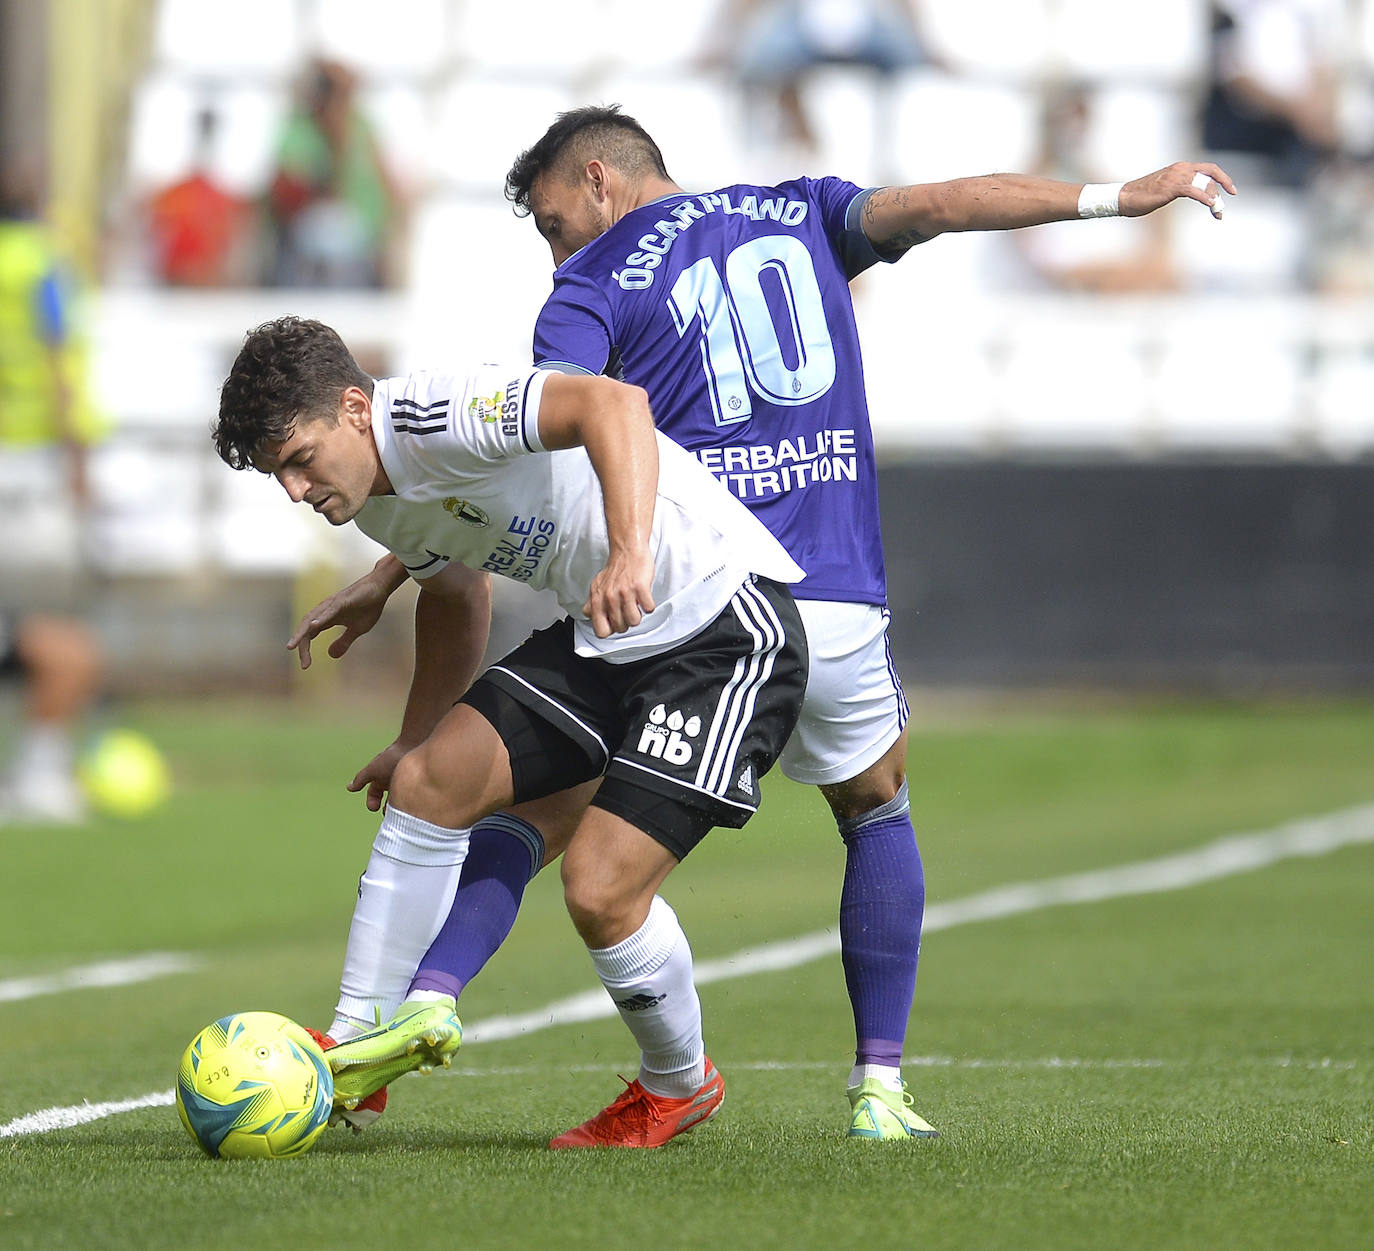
<point>1100,199</point>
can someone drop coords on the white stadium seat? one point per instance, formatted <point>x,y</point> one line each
<point>1342,394</point>
<point>1230,377</point>
<point>162,120</point>
<point>483,123</point>
<point>1258,246</point>
<point>1162,42</point>
<point>401,43</point>
<point>1006,39</point>
<point>535,41</point>
<point>1134,129</point>
<point>696,121</point>
<point>950,127</point>
<point>225,41</point>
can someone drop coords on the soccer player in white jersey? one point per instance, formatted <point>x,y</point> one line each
<point>731,308</point>
<point>669,687</point>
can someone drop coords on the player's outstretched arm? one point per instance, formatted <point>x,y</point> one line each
<point>357,608</point>
<point>612,421</point>
<point>895,218</point>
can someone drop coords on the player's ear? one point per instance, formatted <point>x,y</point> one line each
<point>355,407</point>
<point>597,177</point>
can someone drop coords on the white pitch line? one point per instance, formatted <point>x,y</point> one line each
<point>103,973</point>
<point>48,1119</point>
<point>1236,853</point>
<point>1225,857</point>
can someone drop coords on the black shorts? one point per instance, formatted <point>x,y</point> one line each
<point>682,738</point>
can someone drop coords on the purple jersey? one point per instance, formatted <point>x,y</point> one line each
<point>732,310</point>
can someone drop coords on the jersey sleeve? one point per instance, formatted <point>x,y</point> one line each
<point>841,204</point>
<point>498,417</point>
<point>573,331</point>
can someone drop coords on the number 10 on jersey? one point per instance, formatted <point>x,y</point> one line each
<point>762,327</point>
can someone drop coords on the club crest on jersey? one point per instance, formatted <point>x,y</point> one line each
<point>461,510</point>
<point>665,735</point>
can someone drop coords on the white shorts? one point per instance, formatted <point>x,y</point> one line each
<point>854,708</point>
<point>40,538</point>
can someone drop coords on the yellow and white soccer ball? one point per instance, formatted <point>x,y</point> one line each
<point>254,1085</point>
<point>124,775</point>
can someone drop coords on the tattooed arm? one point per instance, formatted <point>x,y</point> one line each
<point>896,218</point>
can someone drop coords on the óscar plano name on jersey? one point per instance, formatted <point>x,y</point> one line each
<point>640,265</point>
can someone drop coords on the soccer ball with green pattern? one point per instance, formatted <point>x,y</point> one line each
<point>254,1085</point>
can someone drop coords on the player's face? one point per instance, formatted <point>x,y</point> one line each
<point>566,214</point>
<point>332,466</point>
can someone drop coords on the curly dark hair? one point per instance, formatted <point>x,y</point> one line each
<point>578,136</point>
<point>287,369</point>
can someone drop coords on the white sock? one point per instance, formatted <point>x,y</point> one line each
<point>649,977</point>
<point>45,750</point>
<point>426,996</point>
<point>890,1077</point>
<point>403,900</point>
<point>343,1028</point>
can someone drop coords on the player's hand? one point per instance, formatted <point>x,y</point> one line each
<point>376,775</point>
<point>1179,181</point>
<point>621,593</point>
<point>358,607</point>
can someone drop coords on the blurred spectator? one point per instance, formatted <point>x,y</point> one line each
<point>1343,228</point>
<point>46,424</point>
<point>1128,255</point>
<point>333,207</point>
<point>197,228</point>
<point>772,45</point>
<point>58,659</point>
<point>1272,94</point>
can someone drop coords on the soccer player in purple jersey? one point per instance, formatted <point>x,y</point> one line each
<point>731,308</point>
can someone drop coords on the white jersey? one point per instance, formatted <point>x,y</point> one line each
<point>473,483</point>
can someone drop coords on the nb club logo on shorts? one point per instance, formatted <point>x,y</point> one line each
<point>665,735</point>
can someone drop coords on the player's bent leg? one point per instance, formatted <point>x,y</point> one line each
<point>404,896</point>
<point>611,873</point>
<point>872,786</point>
<point>459,774</point>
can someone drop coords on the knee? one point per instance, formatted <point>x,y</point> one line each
<point>419,787</point>
<point>60,646</point>
<point>602,911</point>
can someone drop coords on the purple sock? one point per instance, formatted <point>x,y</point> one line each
<point>881,906</point>
<point>504,853</point>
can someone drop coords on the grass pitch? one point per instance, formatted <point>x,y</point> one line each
<point>1192,1068</point>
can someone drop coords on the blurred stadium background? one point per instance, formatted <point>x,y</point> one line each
<point>1111,459</point>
